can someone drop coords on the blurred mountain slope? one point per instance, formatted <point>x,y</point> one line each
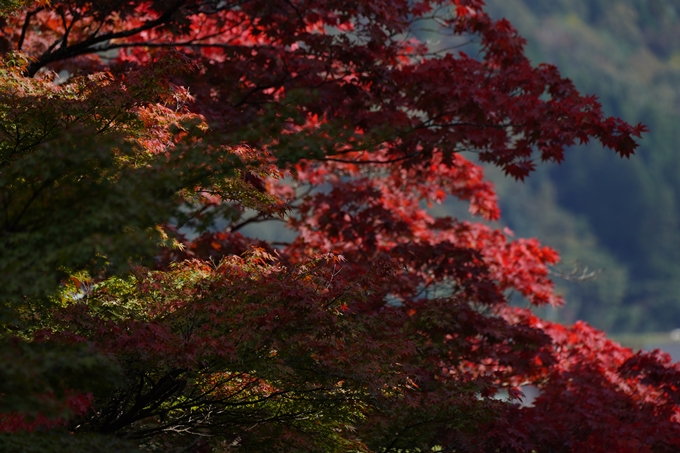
<point>600,211</point>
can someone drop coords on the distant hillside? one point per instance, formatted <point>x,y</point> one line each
<point>601,212</point>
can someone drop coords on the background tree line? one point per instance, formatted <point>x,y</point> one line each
<point>622,217</point>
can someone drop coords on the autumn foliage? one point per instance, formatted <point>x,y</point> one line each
<point>137,316</point>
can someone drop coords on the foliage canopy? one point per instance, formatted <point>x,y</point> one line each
<point>137,316</point>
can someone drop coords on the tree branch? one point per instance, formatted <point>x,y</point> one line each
<point>85,47</point>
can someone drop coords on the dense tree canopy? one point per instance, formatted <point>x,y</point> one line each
<point>137,316</point>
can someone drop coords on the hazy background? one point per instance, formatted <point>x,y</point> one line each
<point>620,217</point>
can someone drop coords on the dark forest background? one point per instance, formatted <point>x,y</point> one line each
<point>617,217</point>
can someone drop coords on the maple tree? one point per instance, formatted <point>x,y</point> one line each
<point>137,316</point>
